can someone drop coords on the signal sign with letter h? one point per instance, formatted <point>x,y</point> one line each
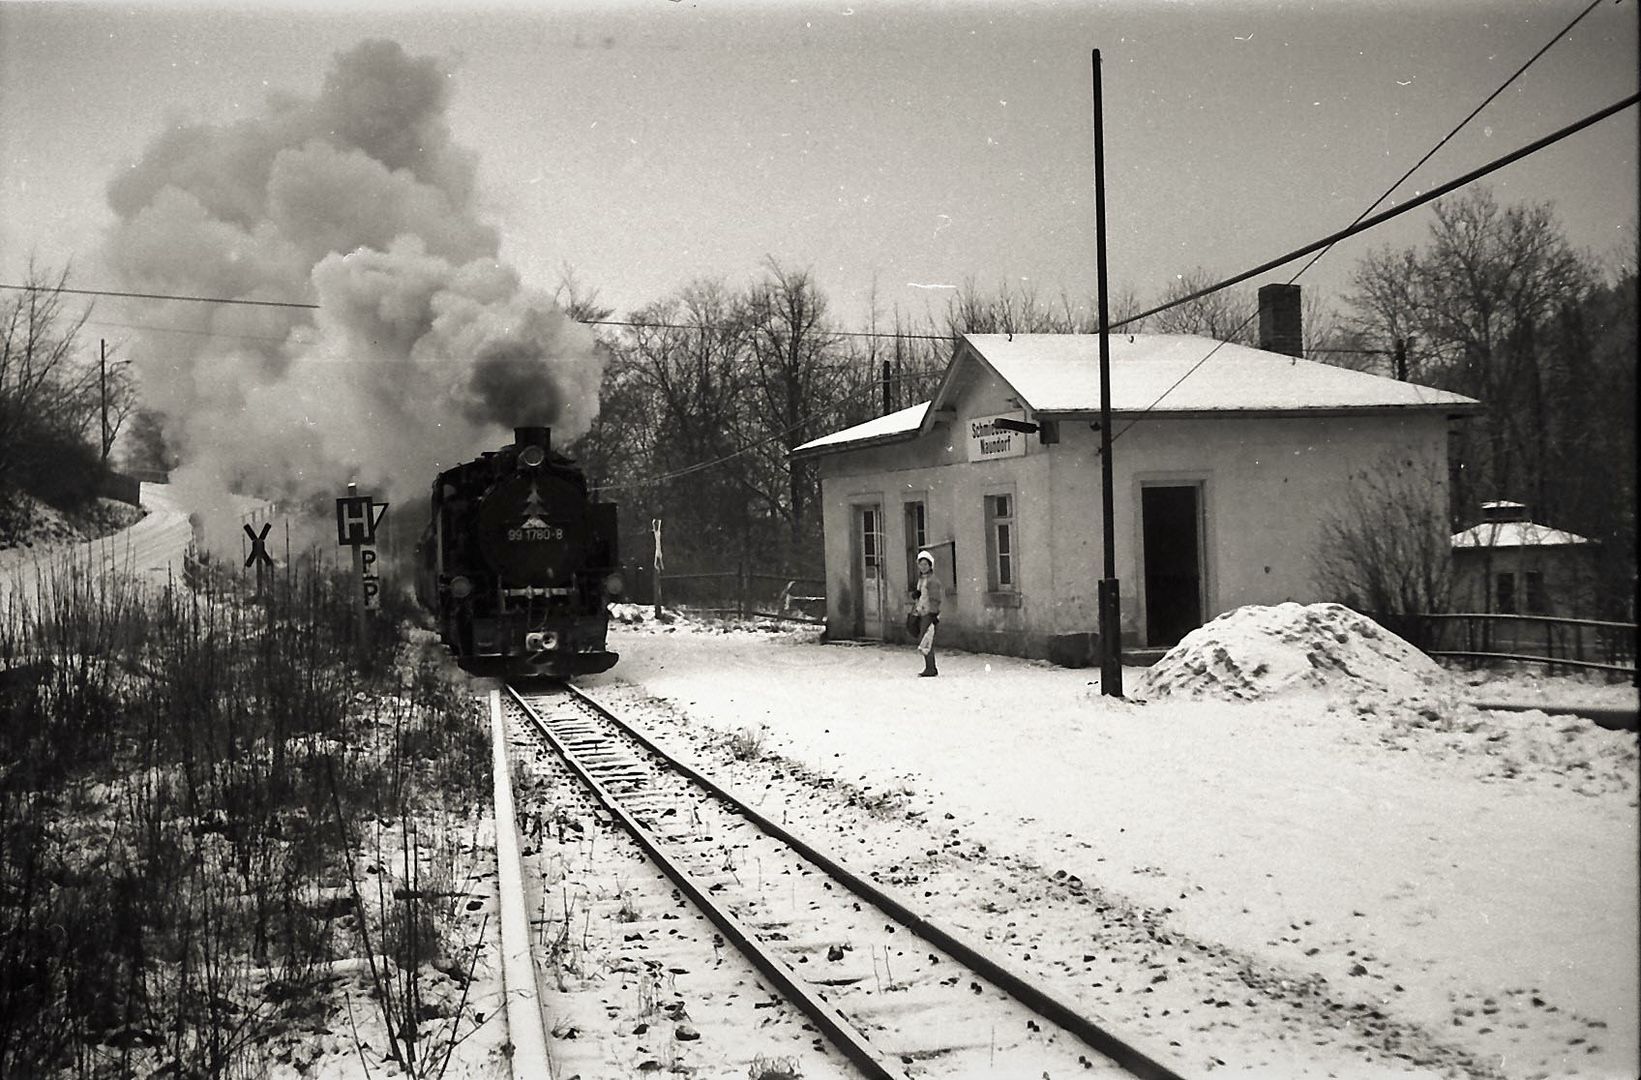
<point>356,519</point>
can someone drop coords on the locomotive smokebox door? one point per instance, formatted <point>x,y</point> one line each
<point>533,530</point>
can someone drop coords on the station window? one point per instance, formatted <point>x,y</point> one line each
<point>1535,594</point>
<point>1505,594</point>
<point>1002,552</point>
<point>917,535</point>
<point>871,540</point>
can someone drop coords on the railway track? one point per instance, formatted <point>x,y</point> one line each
<point>897,994</point>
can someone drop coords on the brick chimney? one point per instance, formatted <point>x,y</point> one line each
<point>1281,326</point>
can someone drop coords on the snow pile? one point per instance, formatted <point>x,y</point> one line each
<point>1259,652</point>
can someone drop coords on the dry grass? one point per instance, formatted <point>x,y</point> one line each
<point>192,783</point>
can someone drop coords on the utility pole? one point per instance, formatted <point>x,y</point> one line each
<point>107,442</point>
<point>102,385</point>
<point>1108,597</point>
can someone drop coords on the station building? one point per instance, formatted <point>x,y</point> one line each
<point>1226,460</point>
<point>1510,565</point>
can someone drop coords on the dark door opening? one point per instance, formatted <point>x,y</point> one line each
<point>1173,563</point>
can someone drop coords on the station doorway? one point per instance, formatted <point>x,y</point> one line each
<point>1171,533</point>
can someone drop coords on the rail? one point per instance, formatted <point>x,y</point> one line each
<point>1120,1050</point>
<point>872,1063</point>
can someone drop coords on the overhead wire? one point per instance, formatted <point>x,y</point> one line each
<point>1319,247</point>
<point>1360,225</point>
<point>162,296</point>
<point>1363,222</point>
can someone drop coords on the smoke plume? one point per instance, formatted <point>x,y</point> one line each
<point>424,349</point>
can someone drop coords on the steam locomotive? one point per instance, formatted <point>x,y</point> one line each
<point>518,563</point>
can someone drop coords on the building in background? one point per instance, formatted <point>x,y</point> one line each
<point>1226,462</point>
<point>1509,565</point>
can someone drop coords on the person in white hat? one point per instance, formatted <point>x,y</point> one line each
<point>927,593</point>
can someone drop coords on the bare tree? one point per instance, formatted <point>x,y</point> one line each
<point>579,301</point>
<point>679,385</point>
<point>795,366</point>
<point>1386,546</point>
<point>1225,315</point>
<point>1012,310</point>
<point>1476,308</point>
<point>49,397</point>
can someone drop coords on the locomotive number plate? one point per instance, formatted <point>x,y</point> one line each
<point>535,533</point>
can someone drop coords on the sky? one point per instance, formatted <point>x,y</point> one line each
<point>893,149</point>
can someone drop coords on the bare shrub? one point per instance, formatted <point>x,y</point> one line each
<point>1386,545</point>
<point>773,1068</point>
<point>185,776</point>
<point>748,744</point>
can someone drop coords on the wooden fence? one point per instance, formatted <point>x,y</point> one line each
<point>735,592</point>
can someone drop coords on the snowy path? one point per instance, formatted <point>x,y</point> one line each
<point>151,550</point>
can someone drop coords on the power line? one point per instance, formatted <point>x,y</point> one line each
<point>1364,224</point>
<point>634,323</point>
<point>1443,141</point>
<point>640,324</point>
<point>1361,225</point>
<point>162,296</point>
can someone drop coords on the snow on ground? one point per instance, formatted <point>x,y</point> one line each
<point>1470,873</point>
<point>1338,829</point>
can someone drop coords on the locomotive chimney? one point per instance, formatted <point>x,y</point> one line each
<point>532,436</point>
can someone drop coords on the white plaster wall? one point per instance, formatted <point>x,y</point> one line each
<point>1268,484</point>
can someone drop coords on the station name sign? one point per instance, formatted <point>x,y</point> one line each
<point>988,442</point>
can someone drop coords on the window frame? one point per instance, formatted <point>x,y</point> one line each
<point>1002,556</point>
<point>871,538</point>
<point>1533,594</point>
<point>917,531</point>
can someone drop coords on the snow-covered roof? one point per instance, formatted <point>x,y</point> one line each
<point>1507,534</point>
<point>902,423</point>
<point>1163,374</point>
<point>1171,374</point>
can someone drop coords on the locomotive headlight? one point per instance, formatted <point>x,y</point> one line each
<point>614,585</point>
<point>461,588</point>
<point>532,456</point>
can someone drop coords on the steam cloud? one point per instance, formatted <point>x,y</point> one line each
<point>424,349</point>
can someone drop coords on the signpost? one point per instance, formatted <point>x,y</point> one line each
<point>259,556</point>
<point>357,518</point>
<point>655,527</point>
